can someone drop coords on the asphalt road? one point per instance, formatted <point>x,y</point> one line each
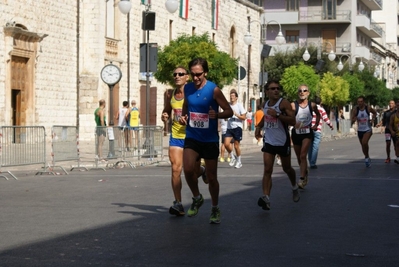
<point>348,215</point>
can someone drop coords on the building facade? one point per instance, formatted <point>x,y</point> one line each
<point>52,52</point>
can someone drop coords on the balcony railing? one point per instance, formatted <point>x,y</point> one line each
<point>376,27</point>
<point>317,16</point>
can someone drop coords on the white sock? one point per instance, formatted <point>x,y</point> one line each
<point>239,158</point>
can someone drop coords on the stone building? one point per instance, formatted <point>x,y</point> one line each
<point>52,52</point>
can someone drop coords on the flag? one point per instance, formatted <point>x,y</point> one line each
<point>183,9</point>
<point>215,14</point>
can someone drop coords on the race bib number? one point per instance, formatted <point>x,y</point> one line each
<point>199,120</point>
<point>270,122</point>
<point>363,122</point>
<point>387,137</point>
<point>176,114</point>
<point>303,130</point>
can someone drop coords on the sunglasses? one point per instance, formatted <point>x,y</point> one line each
<point>303,91</point>
<point>180,74</point>
<point>197,74</point>
<point>273,88</point>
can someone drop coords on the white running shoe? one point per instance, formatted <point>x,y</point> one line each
<point>238,165</point>
<point>232,162</point>
<point>278,161</point>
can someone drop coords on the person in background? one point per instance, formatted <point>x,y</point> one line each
<point>234,130</point>
<point>133,121</point>
<point>385,124</point>
<point>100,119</point>
<point>122,123</point>
<point>394,128</point>
<point>223,129</point>
<point>258,118</point>
<point>202,100</point>
<point>314,146</point>
<point>361,115</point>
<point>249,119</point>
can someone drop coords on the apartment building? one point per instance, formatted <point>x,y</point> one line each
<point>52,52</point>
<point>360,30</point>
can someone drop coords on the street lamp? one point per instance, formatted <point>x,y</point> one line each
<point>248,41</point>
<point>148,24</point>
<point>331,55</point>
<point>340,66</point>
<point>125,7</point>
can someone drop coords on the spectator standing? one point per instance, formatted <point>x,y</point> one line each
<point>314,146</point>
<point>122,123</point>
<point>100,119</point>
<point>249,119</point>
<point>133,123</point>
<point>394,128</point>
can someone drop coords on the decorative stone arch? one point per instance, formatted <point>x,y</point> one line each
<point>21,48</point>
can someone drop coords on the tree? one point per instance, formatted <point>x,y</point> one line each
<point>356,86</point>
<point>334,90</point>
<point>375,91</point>
<point>395,94</point>
<point>222,68</point>
<point>297,75</point>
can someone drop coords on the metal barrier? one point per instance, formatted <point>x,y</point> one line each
<point>125,144</point>
<point>22,145</point>
<point>65,146</point>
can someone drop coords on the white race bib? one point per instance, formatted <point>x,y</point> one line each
<point>199,120</point>
<point>303,130</point>
<point>270,122</point>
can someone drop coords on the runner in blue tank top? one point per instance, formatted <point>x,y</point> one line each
<point>202,100</point>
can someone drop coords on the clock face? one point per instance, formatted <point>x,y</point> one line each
<point>111,74</point>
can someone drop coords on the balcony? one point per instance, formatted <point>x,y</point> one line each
<point>373,4</point>
<point>315,17</point>
<point>283,17</point>
<point>111,48</point>
<point>369,27</point>
<point>363,52</point>
<point>283,48</point>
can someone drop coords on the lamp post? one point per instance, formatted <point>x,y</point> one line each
<point>248,41</point>
<point>124,8</point>
<point>306,55</point>
<point>340,66</point>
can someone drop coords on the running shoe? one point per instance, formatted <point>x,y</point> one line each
<point>303,182</point>
<point>197,203</point>
<point>264,202</point>
<point>221,159</point>
<point>238,165</point>
<point>396,161</point>
<point>203,175</point>
<point>367,161</point>
<point>228,159</point>
<point>388,160</point>
<point>232,162</point>
<point>177,209</point>
<point>278,161</point>
<point>215,216</point>
<point>295,195</point>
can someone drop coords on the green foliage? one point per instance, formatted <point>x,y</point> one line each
<point>334,90</point>
<point>356,86</point>
<point>395,94</point>
<point>375,90</point>
<point>276,65</point>
<point>222,68</point>
<point>297,75</point>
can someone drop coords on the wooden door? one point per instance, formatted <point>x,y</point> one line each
<point>329,40</point>
<point>152,106</point>
<point>19,86</point>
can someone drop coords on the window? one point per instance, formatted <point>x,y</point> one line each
<point>257,2</point>
<point>292,5</point>
<point>292,37</point>
<point>110,26</point>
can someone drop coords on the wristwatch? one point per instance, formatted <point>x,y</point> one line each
<point>277,114</point>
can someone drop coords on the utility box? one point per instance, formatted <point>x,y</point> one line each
<point>153,57</point>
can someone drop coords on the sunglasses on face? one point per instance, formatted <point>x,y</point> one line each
<point>180,74</point>
<point>303,91</point>
<point>197,74</point>
<point>273,88</point>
